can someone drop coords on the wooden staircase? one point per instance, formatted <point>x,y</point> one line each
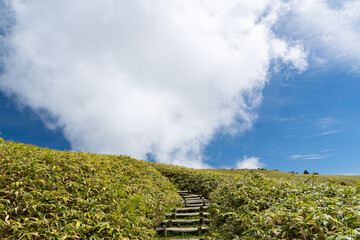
<point>196,218</point>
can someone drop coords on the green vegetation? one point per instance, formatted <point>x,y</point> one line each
<point>255,207</point>
<point>48,194</point>
<point>341,179</point>
<point>199,181</point>
<point>247,205</point>
<point>67,195</point>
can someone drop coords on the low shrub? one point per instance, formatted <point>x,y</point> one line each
<point>199,181</point>
<point>48,194</point>
<point>255,207</point>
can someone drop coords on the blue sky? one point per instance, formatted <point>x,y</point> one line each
<point>21,124</point>
<point>310,121</point>
<point>226,85</point>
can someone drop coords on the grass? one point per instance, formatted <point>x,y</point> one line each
<point>48,194</point>
<point>340,179</point>
<point>263,204</point>
<point>252,206</point>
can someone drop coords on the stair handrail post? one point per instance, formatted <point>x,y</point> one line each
<point>164,231</point>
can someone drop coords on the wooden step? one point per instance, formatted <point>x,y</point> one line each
<point>184,221</point>
<point>198,230</point>
<point>183,191</point>
<point>181,215</point>
<point>191,196</point>
<point>196,204</point>
<point>190,209</point>
<point>196,201</point>
<point>186,239</point>
<point>194,198</point>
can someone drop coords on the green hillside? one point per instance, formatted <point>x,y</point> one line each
<point>248,205</point>
<point>48,194</point>
<point>341,179</point>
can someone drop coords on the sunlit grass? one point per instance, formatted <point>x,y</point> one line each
<point>64,194</point>
<point>341,179</point>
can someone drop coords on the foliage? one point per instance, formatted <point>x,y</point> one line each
<point>255,207</point>
<point>199,181</point>
<point>69,195</point>
<point>306,172</point>
<point>252,206</point>
<point>348,180</point>
<point>48,194</point>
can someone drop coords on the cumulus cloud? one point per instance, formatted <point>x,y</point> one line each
<point>162,77</point>
<point>249,163</point>
<point>144,77</point>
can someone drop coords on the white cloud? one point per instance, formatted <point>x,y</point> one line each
<point>325,123</point>
<point>162,77</point>
<point>295,55</point>
<point>329,150</point>
<point>284,119</point>
<point>325,133</point>
<point>351,174</point>
<point>226,167</point>
<point>308,156</point>
<point>328,132</point>
<point>138,77</point>
<point>331,31</point>
<point>250,163</point>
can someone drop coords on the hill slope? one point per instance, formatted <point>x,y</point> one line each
<point>248,205</point>
<point>48,194</point>
<point>61,194</point>
<point>341,179</point>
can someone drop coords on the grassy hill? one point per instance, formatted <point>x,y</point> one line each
<point>246,204</point>
<point>48,194</point>
<point>340,179</point>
